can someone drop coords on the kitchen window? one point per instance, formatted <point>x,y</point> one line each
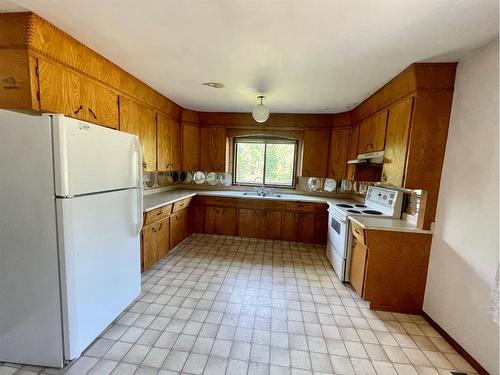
<point>271,161</point>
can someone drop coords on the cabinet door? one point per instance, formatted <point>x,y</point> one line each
<point>175,145</point>
<point>315,153</point>
<point>60,90</point>
<point>163,232</point>
<point>372,133</point>
<point>220,220</point>
<point>260,223</point>
<point>352,152</point>
<point>213,149</point>
<point>320,228</point>
<point>190,147</point>
<point>299,227</point>
<point>100,104</point>
<point>164,142</point>
<point>197,218</point>
<point>358,264</point>
<point>140,120</point>
<point>149,246</point>
<point>396,143</point>
<point>175,229</point>
<point>339,146</point>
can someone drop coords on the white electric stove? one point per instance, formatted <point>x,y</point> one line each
<point>379,202</point>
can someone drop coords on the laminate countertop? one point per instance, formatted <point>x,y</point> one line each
<point>380,223</point>
<point>156,200</point>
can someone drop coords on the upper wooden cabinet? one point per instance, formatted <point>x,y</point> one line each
<point>372,133</point>
<point>396,143</point>
<point>140,120</point>
<point>213,149</point>
<point>352,152</point>
<point>315,153</point>
<point>337,160</point>
<point>62,90</point>
<point>169,143</point>
<point>190,147</point>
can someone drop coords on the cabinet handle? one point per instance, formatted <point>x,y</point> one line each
<point>93,113</point>
<point>160,226</point>
<point>159,213</point>
<point>78,110</point>
<point>384,178</point>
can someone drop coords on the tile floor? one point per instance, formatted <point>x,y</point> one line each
<point>229,305</point>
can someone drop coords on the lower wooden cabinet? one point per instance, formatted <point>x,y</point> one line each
<point>358,265</point>
<point>299,227</point>
<point>179,227</point>
<point>155,242</point>
<point>260,223</point>
<point>220,220</point>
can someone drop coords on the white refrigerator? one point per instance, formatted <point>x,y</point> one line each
<point>70,218</point>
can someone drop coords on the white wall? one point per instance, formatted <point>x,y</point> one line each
<point>464,254</point>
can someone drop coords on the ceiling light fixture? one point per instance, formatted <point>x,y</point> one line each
<point>260,112</point>
<point>215,85</point>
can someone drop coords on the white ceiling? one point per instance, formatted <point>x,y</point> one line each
<point>305,56</point>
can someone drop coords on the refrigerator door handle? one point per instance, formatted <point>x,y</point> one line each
<point>139,217</point>
<point>136,164</point>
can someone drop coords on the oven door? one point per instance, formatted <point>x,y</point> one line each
<point>337,233</point>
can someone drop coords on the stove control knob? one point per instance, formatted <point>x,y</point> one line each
<point>385,197</point>
<point>390,201</point>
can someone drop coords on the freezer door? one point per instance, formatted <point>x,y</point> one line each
<point>100,262</point>
<point>90,158</point>
<point>30,304</point>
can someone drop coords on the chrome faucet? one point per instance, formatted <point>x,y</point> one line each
<point>261,190</point>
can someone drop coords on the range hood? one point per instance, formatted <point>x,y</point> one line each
<point>373,158</point>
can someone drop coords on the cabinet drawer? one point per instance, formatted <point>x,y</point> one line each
<point>358,232</point>
<point>220,201</point>
<point>157,214</point>
<point>181,204</point>
<point>303,207</point>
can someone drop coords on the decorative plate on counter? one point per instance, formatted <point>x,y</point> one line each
<point>346,185</point>
<point>313,184</point>
<point>199,178</point>
<point>213,178</point>
<point>226,179</point>
<point>330,184</point>
<point>189,177</point>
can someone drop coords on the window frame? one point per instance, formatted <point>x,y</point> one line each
<point>265,140</point>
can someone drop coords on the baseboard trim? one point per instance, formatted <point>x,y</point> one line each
<point>455,345</point>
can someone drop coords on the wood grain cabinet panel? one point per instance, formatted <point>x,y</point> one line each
<point>60,90</point>
<point>213,149</point>
<point>315,153</point>
<point>197,218</point>
<point>299,227</point>
<point>163,238</point>
<point>372,133</point>
<point>396,144</point>
<point>259,223</point>
<point>220,220</point>
<point>169,144</point>
<point>149,246</point>
<point>190,147</point>
<point>352,152</point>
<point>100,104</point>
<point>358,265</point>
<point>339,146</point>
<point>179,227</point>
<point>320,227</point>
<point>140,120</point>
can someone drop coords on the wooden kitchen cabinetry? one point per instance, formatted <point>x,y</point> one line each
<point>352,152</point>
<point>389,268</point>
<point>169,143</point>
<point>213,149</point>
<point>372,133</point>
<point>62,90</point>
<point>299,226</point>
<point>337,156</point>
<point>190,147</point>
<point>164,228</point>
<point>315,153</point>
<point>396,143</point>
<point>220,220</point>
<point>140,120</point>
<point>179,227</point>
<point>260,223</point>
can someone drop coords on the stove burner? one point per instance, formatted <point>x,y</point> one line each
<point>372,212</point>
<point>360,205</point>
<point>354,211</point>
<point>343,205</point>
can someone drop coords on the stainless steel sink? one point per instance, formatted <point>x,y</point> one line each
<point>255,194</point>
